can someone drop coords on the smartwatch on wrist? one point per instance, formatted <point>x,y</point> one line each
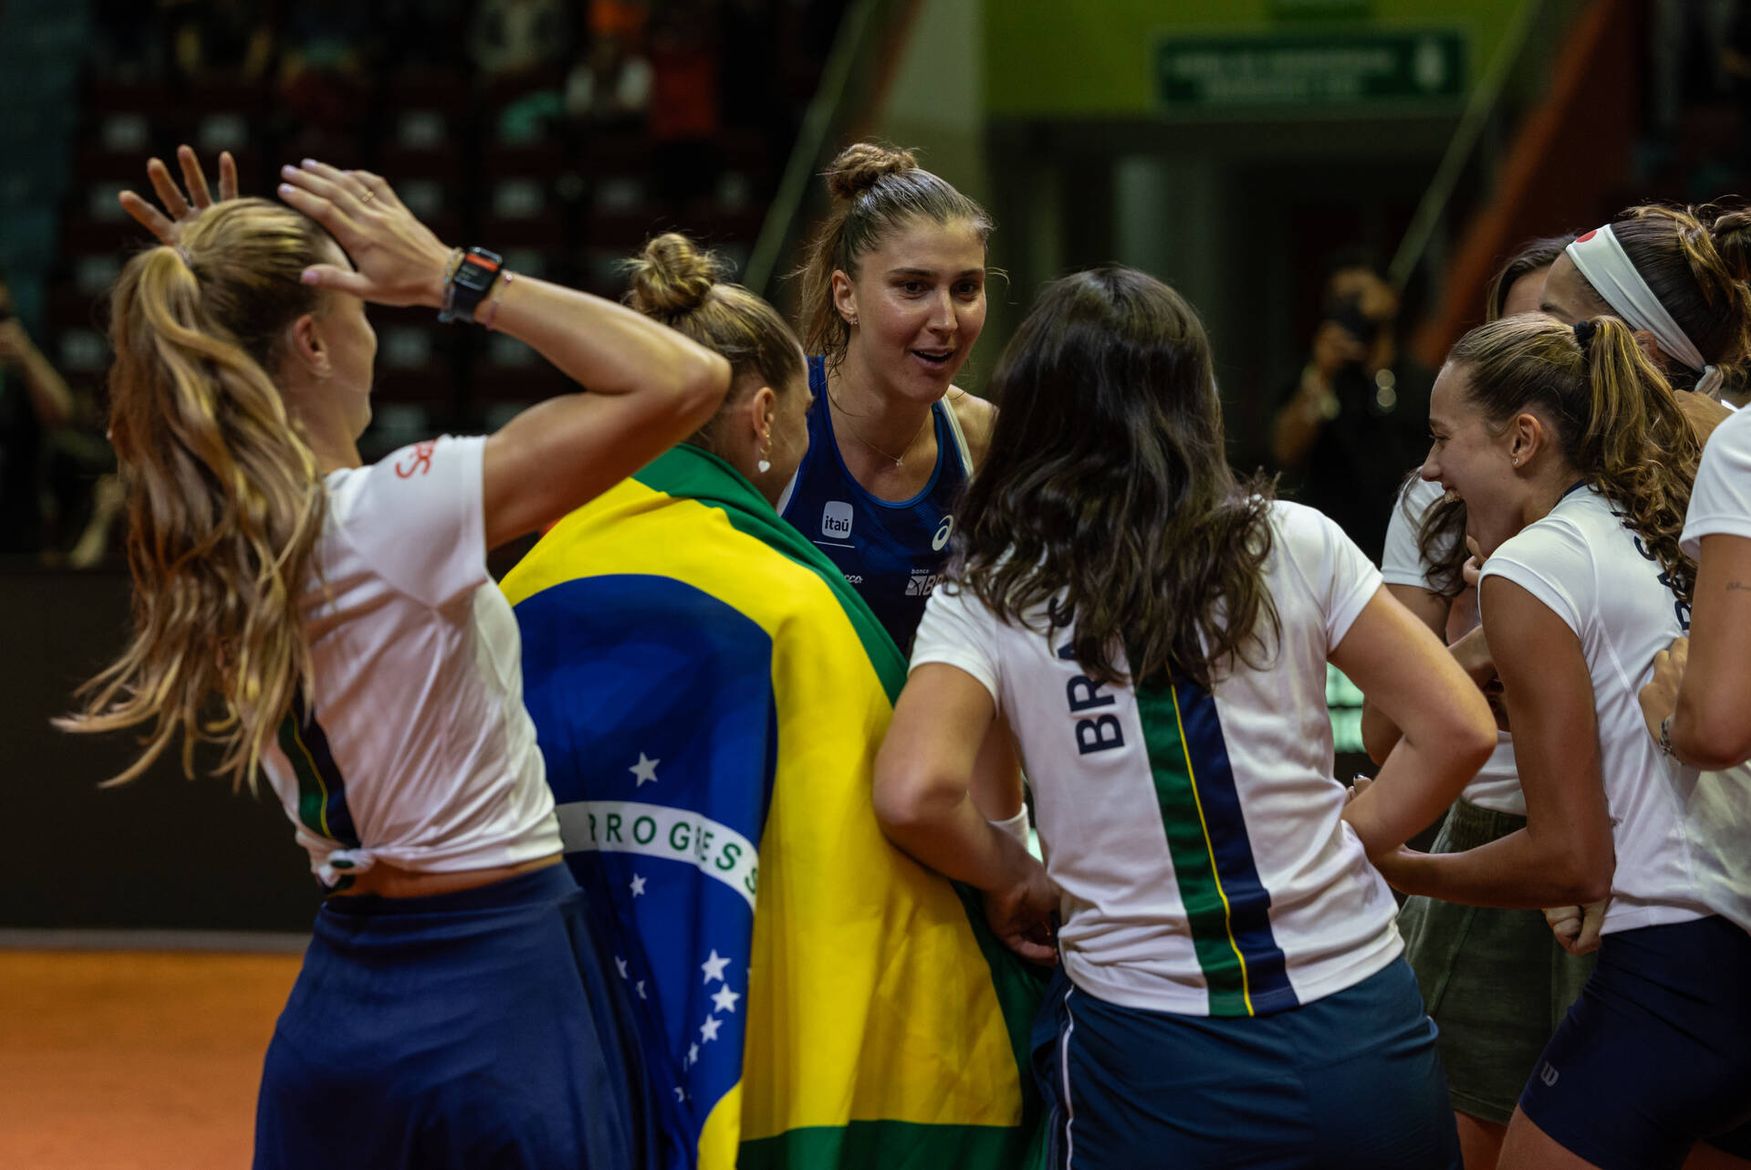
<point>469,283</point>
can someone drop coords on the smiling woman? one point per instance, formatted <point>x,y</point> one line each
<point>894,298</point>
<point>1576,464</point>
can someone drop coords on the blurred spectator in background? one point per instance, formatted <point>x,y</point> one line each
<point>83,500</point>
<point>613,84</point>
<point>415,35</point>
<point>213,40</point>
<point>322,70</point>
<point>523,52</point>
<point>625,19</point>
<point>749,29</point>
<point>512,38</point>
<point>1357,418</point>
<point>125,43</point>
<point>685,110</point>
<point>34,403</point>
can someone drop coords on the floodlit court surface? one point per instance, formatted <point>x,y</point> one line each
<point>134,1059</point>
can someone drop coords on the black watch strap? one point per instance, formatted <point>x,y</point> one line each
<point>469,284</point>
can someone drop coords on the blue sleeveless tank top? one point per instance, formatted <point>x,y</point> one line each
<point>890,552</point>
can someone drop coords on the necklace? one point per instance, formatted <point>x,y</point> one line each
<point>897,460</point>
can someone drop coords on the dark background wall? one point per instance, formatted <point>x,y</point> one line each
<point>160,853</point>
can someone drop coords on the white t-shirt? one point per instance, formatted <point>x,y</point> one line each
<point>420,751</point>
<point>1497,784</point>
<point>1720,505</point>
<point>1679,842</point>
<point>1197,837</point>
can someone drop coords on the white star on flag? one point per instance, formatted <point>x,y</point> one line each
<point>641,993</point>
<point>637,885</point>
<point>693,1054</point>
<point>679,1095</point>
<point>645,770</point>
<point>621,964</point>
<point>714,966</point>
<point>708,1030</point>
<point>725,999</point>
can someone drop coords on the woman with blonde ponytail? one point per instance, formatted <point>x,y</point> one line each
<point>1576,464</point>
<point>1496,980</point>
<point>693,660</point>
<point>334,623</point>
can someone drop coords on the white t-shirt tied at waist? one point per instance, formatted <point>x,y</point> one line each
<point>416,749</point>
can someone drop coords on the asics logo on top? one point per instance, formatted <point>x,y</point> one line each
<point>943,532</point>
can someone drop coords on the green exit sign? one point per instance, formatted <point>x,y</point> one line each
<point>1339,69</point>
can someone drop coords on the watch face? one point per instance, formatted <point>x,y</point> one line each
<point>469,286</point>
<point>478,270</point>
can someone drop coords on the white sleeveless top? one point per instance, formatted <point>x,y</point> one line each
<point>417,749</point>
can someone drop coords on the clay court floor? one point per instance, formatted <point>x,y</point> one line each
<point>130,1060</point>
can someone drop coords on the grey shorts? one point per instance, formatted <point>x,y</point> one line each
<point>1495,981</point>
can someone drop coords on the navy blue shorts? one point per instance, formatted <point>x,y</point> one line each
<point>475,1029</point>
<point>1656,1054</point>
<point>1347,1082</point>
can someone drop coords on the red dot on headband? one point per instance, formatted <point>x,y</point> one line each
<point>1581,239</point>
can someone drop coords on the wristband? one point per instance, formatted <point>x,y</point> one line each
<point>1016,826</point>
<point>494,300</point>
<point>468,284</point>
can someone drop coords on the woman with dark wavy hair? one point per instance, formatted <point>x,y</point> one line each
<point>1576,463</point>
<point>1152,637</point>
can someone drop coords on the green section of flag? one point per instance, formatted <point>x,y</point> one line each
<point>896,1145</point>
<point>694,473</point>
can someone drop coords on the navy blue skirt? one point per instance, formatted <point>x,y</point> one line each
<point>1351,1080</point>
<point>477,1029</point>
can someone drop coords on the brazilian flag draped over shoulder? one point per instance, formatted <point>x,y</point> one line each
<point>709,695</point>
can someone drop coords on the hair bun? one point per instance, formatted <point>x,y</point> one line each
<point>863,164</point>
<point>671,276</point>
<point>1731,233</point>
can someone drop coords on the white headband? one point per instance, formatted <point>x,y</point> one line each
<point>1601,259</point>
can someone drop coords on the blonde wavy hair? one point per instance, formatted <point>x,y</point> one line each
<point>225,499</point>
<point>1614,415</point>
<point>676,282</point>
